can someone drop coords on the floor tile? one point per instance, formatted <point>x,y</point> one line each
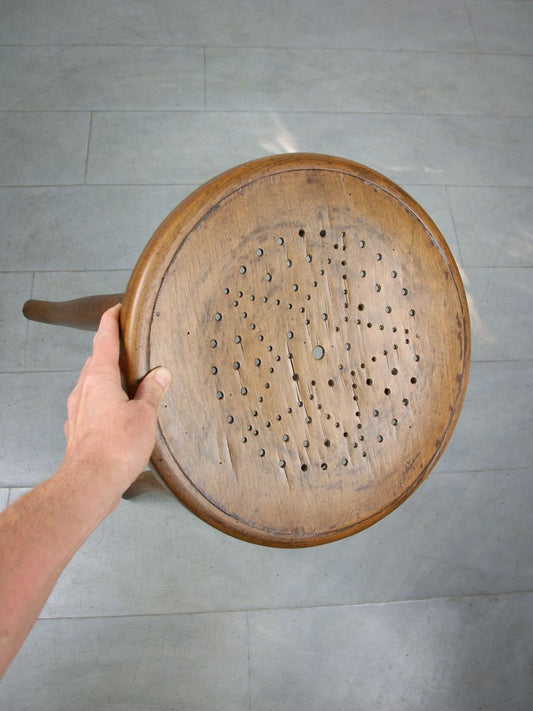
<point>32,433</point>
<point>193,662</point>
<point>4,498</point>
<point>85,227</point>
<point>433,199</point>
<point>494,426</point>
<point>57,347</point>
<point>451,150</point>
<point>418,24</point>
<point>388,82</point>
<point>501,321</point>
<point>43,148</point>
<point>442,654</point>
<point>14,290</point>
<point>494,225</point>
<point>502,25</point>
<point>451,537</point>
<point>85,78</point>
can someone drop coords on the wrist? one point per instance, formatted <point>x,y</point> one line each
<point>95,481</point>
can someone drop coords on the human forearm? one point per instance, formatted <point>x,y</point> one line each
<point>109,442</point>
<point>39,534</point>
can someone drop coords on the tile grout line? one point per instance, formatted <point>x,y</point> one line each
<point>506,471</point>
<point>471,27</point>
<point>250,700</point>
<point>88,148</point>
<point>406,185</point>
<point>205,78</point>
<point>27,325</point>
<point>434,473</point>
<point>475,51</point>
<point>288,608</point>
<point>456,233</point>
<point>282,112</point>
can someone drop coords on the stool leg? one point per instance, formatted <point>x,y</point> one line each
<point>82,313</point>
<point>145,483</point>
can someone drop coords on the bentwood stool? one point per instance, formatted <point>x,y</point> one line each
<point>317,330</point>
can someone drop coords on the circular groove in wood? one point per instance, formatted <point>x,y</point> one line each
<point>317,329</point>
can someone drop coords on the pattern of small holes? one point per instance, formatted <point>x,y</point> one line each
<point>316,265</point>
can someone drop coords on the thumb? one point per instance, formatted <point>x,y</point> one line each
<point>153,386</point>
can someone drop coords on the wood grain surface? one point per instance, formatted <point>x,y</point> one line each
<point>317,329</point>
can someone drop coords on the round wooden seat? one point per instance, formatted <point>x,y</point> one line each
<point>317,330</point>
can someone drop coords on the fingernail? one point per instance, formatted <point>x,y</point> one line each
<point>163,376</point>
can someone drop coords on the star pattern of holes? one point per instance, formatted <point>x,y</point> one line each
<point>317,250</point>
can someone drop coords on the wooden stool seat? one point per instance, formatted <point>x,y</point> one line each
<point>317,330</point>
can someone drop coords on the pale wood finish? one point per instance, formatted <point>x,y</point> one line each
<point>262,434</point>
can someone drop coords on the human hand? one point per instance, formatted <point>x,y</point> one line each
<point>107,432</point>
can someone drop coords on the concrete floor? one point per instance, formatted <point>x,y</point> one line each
<point>112,112</point>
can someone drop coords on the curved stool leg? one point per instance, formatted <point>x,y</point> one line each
<point>81,313</point>
<point>145,483</point>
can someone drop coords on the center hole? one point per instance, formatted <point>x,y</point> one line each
<point>318,352</point>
